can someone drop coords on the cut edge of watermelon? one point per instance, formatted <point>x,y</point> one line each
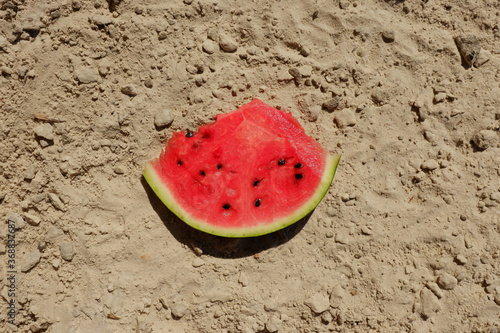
<point>166,197</point>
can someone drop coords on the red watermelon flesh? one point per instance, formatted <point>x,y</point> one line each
<point>251,172</point>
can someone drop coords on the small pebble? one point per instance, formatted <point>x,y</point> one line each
<point>148,83</point>
<point>388,36</point>
<point>31,260</point>
<point>475,261</point>
<point>337,296</point>
<point>331,104</point>
<point>469,241</point>
<point>344,197</point>
<point>191,69</point>
<point>32,219</point>
<point>331,211</point>
<point>19,222</point>
<point>102,20</point>
<point>198,262</point>
<point>429,304</point>
<point>447,281</point>
<point>483,57</point>
<point>496,296</point>
<point>56,202</point>
<point>440,97</point>
<point>217,93</point>
<point>104,67</point>
<point>439,264</point>
<point>429,165</point>
<point>199,81</point>
<point>365,230</point>
<point>67,251</point>
<point>461,276</point>
<point>273,324</point>
<point>227,44</point>
<point>64,167</point>
<point>119,170</point>
<point>469,48</point>
<point>212,34</point>
<point>350,203</point>
<point>485,139</point>
<point>444,164</point>
<point>378,96</point>
<point>316,81</point>
<point>30,173</point>
<point>129,90</point>
<point>485,260</point>
<point>6,71</point>
<point>304,51</point>
<point>45,131</point>
<point>305,71</point>
<point>95,145</point>
<point>243,279</point>
<point>313,113</point>
<point>295,73</point>
<point>21,71</point>
<point>435,289</point>
<point>209,46</point>
<point>318,303</point>
<point>162,35</point>
<point>163,118</point>
<point>345,118</point>
<point>37,198</point>
<point>56,263</point>
<point>4,43</point>
<point>252,50</point>
<point>326,317</point>
<point>409,269</point>
<point>461,259</point>
<point>271,305</point>
<point>31,74</point>
<point>344,4</point>
<point>179,309</point>
<point>85,75</point>
<point>341,239</point>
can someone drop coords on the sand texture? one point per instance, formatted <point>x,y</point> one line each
<point>406,240</point>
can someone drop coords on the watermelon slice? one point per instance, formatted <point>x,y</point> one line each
<point>251,172</point>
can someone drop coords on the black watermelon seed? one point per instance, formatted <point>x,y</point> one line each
<point>202,172</point>
<point>179,162</point>
<point>219,166</point>
<point>226,206</point>
<point>189,134</point>
<point>256,182</point>
<point>281,162</point>
<point>298,166</point>
<point>257,203</point>
<point>299,176</point>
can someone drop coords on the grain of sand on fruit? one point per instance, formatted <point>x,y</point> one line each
<point>406,240</point>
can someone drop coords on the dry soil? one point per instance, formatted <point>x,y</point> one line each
<point>406,240</point>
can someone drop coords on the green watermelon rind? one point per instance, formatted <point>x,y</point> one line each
<point>154,180</point>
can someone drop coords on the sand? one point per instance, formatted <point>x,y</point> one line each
<point>406,240</point>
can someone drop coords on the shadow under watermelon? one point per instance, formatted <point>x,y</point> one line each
<point>217,246</point>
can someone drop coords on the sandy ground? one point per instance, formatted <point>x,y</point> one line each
<point>406,240</point>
